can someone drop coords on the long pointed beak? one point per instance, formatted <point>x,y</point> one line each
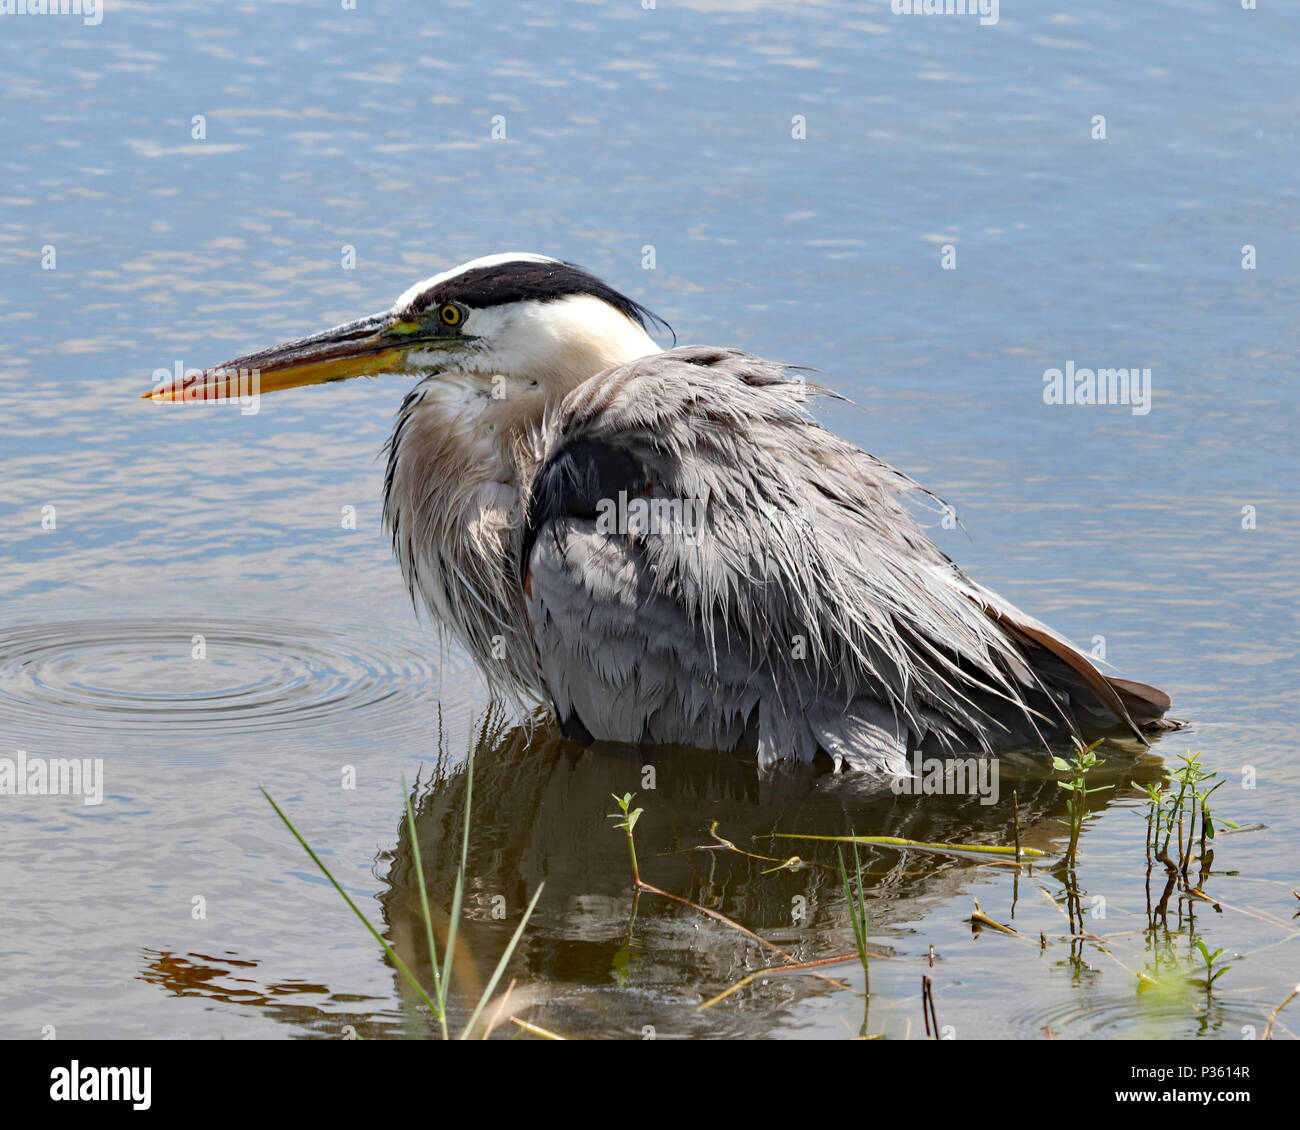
<point>366,347</point>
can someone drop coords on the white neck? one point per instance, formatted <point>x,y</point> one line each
<point>560,343</point>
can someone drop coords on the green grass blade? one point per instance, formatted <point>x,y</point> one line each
<point>862,903</point>
<point>501,965</point>
<point>859,932</point>
<point>397,961</point>
<point>441,1011</point>
<point>459,893</point>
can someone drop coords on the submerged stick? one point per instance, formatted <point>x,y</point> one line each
<point>979,917</point>
<point>534,1029</point>
<point>1268,1032</point>
<point>797,967</point>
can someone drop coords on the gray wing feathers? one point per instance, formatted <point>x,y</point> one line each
<point>807,605</point>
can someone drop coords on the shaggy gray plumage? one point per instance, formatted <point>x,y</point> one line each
<point>807,611</point>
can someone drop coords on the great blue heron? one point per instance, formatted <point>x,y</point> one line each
<point>667,548</point>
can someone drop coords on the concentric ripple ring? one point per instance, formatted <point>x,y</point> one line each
<point>135,677</point>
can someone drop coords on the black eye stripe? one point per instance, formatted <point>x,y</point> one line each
<point>520,281</point>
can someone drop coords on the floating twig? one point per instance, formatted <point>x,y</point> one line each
<point>1268,1031</point>
<point>535,1029</point>
<point>796,967</point>
<point>899,842</point>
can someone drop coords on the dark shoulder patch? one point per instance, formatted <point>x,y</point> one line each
<point>572,484</point>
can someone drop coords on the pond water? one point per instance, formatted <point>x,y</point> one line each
<point>204,600</point>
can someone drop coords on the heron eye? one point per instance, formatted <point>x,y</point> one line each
<point>450,314</point>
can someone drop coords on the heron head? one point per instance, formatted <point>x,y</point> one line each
<point>514,316</point>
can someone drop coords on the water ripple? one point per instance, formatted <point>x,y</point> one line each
<point>1136,1016</point>
<point>63,679</point>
